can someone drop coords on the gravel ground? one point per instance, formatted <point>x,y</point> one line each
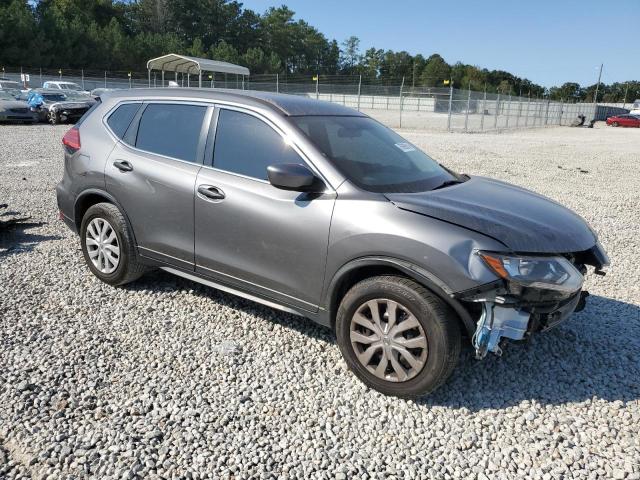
<point>168,379</point>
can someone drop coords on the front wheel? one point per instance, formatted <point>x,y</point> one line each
<point>108,245</point>
<point>397,337</point>
<point>52,117</point>
<point>614,124</point>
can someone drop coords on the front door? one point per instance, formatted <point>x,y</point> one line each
<point>250,234</point>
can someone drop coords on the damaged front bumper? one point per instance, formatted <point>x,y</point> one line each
<point>510,310</point>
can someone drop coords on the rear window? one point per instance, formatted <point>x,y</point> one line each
<point>121,118</point>
<point>172,130</point>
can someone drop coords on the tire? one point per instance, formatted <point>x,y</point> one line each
<point>614,124</point>
<point>127,268</point>
<point>52,117</point>
<point>435,320</point>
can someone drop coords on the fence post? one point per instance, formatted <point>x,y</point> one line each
<point>41,76</point>
<point>495,116</point>
<point>277,83</point>
<point>484,106</point>
<point>508,111</point>
<point>105,78</point>
<point>546,113</point>
<point>401,88</point>
<point>526,118</point>
<point>466,118</point>
<point>519,111</point>
<point>317,86</point>
<point>82,73</point>
<point>359,89</point>
<point>450,102</point>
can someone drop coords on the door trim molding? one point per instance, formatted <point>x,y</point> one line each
<point>233,291</point>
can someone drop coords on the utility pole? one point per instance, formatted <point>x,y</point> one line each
<point>595,98</point>
<point>626,90</point>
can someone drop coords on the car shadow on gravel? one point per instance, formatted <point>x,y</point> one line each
<point>15,237</point>
<point>594,355</point>
<point>160,279</point>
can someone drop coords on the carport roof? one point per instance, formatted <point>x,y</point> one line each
<point>181,63</point>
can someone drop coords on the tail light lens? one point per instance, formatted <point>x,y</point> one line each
<point>71,139</point>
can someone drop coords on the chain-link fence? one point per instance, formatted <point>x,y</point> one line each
<point>397,105</point>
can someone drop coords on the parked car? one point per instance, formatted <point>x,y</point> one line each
<point>54,106</point>
<point>13,110</point>
<point>65,86</point>
<point>627,120</point>
<point>96,93</point>
<point>80,97</point>
<point>14,88</point>
<point>319,210</point>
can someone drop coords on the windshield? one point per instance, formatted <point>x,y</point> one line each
<point>72,95</point>
<point>70,86</point>
<point>9,85</point>
<point>372,156</point>
<point>54,97</point>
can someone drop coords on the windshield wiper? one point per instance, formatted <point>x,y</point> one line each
<point>447,183</point>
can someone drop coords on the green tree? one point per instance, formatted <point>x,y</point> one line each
<point>350,54</point>
<point>435,71</point>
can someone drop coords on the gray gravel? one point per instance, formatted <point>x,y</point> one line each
<point>168,379</point>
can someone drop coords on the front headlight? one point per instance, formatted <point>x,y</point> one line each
<point>550,273</point>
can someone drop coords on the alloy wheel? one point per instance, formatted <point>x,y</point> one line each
<point>388,340</point>
<point>102,245</point>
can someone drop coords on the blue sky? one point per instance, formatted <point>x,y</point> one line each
<point>548,42</point>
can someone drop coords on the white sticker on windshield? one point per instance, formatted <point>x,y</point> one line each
<point>405,147</point>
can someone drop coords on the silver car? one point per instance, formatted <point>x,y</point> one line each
<point>319,210</point>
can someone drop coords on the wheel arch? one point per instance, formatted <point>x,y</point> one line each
<point>91,197</point>
<point>366,267</point>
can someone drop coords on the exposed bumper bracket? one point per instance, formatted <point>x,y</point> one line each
<point>495,323</point>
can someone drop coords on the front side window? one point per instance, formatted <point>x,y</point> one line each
<point>372,156</point>
<point>172,130</point>
<point>121,118</point>
<point>247,146</point>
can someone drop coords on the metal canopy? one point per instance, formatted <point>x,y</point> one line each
<point>183,64</point>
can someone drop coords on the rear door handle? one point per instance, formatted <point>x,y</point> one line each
<point>211,192</point>
<point>123,165</point>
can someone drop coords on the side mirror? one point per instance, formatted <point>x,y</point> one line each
<point>293,176</point>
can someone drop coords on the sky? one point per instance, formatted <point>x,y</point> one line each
<point>548,42</point>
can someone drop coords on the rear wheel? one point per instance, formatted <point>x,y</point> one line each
<point>397,337</point>
<point>52,117</point>
<point>614,124</point>
<point>108,246</point>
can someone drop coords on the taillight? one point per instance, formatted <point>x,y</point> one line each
<point>71,139</point>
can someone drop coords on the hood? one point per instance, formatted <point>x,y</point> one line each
<point>7,104</point>
<point>520,219</point>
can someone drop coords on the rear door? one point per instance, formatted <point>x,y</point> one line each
<point>152,173</point>
<point>255,236</point>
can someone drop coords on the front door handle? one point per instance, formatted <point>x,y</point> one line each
<point>211,192</point>
<point>123,165</point>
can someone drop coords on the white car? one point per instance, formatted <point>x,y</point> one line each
<point>636,108</point>
<point>66,86</point>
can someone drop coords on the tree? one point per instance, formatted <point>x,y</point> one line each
<point>435,71</point>
<point>350,54</point>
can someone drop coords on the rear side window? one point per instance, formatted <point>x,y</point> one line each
<point>247,146</point>
<point>172,130</point>
<point>120,120</point>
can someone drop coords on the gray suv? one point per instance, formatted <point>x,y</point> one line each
<point>318,210</point>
